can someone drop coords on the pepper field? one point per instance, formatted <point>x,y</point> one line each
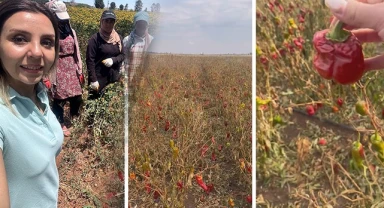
<point>304,160</point>
<point>189,132</point>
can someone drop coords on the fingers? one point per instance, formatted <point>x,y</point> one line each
<point>371,1</point>
<point>367,35</point>
<point>347,27</point>
<point>362,14</point>
<point>358,14</point>
<point>374,63</point>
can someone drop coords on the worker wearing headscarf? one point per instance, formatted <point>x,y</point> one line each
<point>136,43</point>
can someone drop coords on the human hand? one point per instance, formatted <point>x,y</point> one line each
<point>95,85</point>
<point>365,20</point>
<point>107,62</point>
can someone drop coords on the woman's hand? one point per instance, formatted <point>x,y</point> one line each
<point>107,62</point>
<point>365,19</point>
<point>95,85</point>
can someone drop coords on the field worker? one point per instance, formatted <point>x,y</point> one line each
<point>104,55</point>
<point>68,77</point>
<point>136,43</point>
<point>30,134</point>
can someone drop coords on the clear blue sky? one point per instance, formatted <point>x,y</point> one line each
<point>200,26</point>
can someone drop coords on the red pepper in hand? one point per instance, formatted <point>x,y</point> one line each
<point>339,55</point>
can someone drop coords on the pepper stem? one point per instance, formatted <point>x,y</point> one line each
<point>337,33</point>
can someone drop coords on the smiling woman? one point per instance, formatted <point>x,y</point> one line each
<point>30,135</point>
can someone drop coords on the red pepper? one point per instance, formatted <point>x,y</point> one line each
<point>121,176</point>
<point>167,125</point>
<point>339,55</point>
<point>156,195</point>
<point>340,102</point>
<point>249,199</point>
<point>47,83</point>
<point>148,187</point>
<point>199,180</point>
<point>310,110</point>
<point>180,185</point>
<point>81,79</point>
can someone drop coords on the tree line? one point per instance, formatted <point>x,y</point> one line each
<point>155,7</point>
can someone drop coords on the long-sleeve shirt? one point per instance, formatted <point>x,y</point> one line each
<point>98,50</point>
<point>134,48</point>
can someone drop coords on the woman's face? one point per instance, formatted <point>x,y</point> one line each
<point>140,27</point>
<point>27,51</point>
<point>107,25</point>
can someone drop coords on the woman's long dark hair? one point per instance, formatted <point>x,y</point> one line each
<point>64,29</point>
<point>9,8</point>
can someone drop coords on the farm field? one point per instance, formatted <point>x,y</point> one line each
<point>306,125</point>
<point>190,123</point>
<point>190,117</point>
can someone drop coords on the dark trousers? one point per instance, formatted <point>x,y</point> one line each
<point>58,107</point>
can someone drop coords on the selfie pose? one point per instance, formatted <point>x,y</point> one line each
<point>30,134</point>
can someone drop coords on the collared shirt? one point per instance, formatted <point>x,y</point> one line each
<point>134,52</point>
<point>30,142</point>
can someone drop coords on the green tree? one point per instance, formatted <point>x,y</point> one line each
<point>126,7</point>
<point>121,7</point>
<point>113,6</point>
<point>99,4</point>
<point>138,6</point>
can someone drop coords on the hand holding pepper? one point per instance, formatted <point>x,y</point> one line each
<point>365,14</point>
<point>339,55</point>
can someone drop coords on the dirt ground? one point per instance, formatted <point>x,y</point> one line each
<point>279,197</point>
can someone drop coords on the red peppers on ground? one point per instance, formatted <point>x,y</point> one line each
<point>339,55</point>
